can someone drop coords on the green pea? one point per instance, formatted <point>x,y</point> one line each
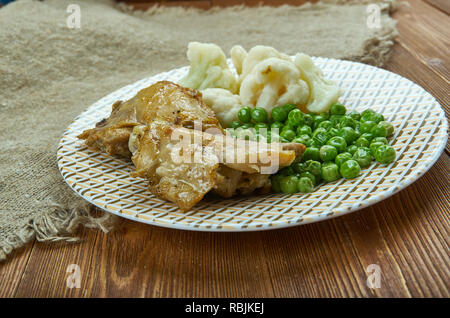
<point>304,130</point>
<point>342,157</point>
<point>371,116</point>
<point>374,146</point>
<point>314,144</point>
<point>287,126</point>
<point>308,119</point>
<point>333,132</point>
<point>247,126</point>
<point>366,127</point>
<point>368,136</point>
<point>357,132</point>
<point>325,115</point>
<point>245,114</point>
<point>303,139</point>
<point>326,124</point>
<point>350,169</point>
<point>379,130</point>
<point>385,154</point>
<point>259,115</point>
<point>288,134</point>
<point>295,117</point>
<point>279,113</point>
<point>318,130</point>
<point>320,137</point>
<point>380,139</point>
<point>367,111</point>
<point>289,184</point>
<point>363,157</point>
<point>330,172</point>
<point>299,167</point>
<point>347,121</point>
<point>362,142</point>
<point>305,185</point>
<point>378,117</point>
<point>317,120</point>
<point>275,182</point>
<point>338,109</point>
<point>383,129</point>
<point>348,133</point>
<point>276,125</point>
<point>351,149</point>
<point>335,119</point>
<point>261,126</point>
<point>309,175</point>
<point>328,153</point>
<point>311,153</point>
<point>235,124</point>
<point>355,115</point>
<point>289,107</point>
<point>313,166</point>
<point>338,142</point>
<point>287,171</point>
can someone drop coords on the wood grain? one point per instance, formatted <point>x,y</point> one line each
<point>407,235</point>
<point>443,5</point>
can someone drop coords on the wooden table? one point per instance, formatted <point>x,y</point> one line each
<point>407,235</point>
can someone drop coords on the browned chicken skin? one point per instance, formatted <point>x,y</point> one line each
<point>144,127</point>
<point>163,100</point>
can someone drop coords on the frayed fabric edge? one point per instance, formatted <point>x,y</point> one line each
<point>58,224</point>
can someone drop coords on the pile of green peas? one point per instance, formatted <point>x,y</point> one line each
<point>338,144</point>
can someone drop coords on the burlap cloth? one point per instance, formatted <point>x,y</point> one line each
<point>50,73</point>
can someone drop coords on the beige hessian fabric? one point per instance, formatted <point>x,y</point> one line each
<point>50,73</point>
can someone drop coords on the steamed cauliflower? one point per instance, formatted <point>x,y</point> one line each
<point>208,69</point>
<point>245,62</point>
<point>238,55</point>
<point>273,82</point>
<point>224,104</point>
<point>323,92</point>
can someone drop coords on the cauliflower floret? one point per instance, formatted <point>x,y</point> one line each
<point>246,62</point>
<point>273,82</point>
<point>224,104</point>
<point>238,54</point>
<point>323,92</point>
<point>208,68</point>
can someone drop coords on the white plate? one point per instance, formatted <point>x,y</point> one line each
<point>420,137</point>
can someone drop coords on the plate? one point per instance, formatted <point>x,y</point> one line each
<point>420,137</point>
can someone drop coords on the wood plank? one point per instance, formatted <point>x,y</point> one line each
<point>12,270</point>
<point>443,5</point>
<point>432,46</point>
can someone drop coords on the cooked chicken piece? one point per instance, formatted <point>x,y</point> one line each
<point>256,157</point>
<point>180,164</point>
<point>230,182</point>
<point>173,172</point>
<point>163,100</point>
<point>157,129</point>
